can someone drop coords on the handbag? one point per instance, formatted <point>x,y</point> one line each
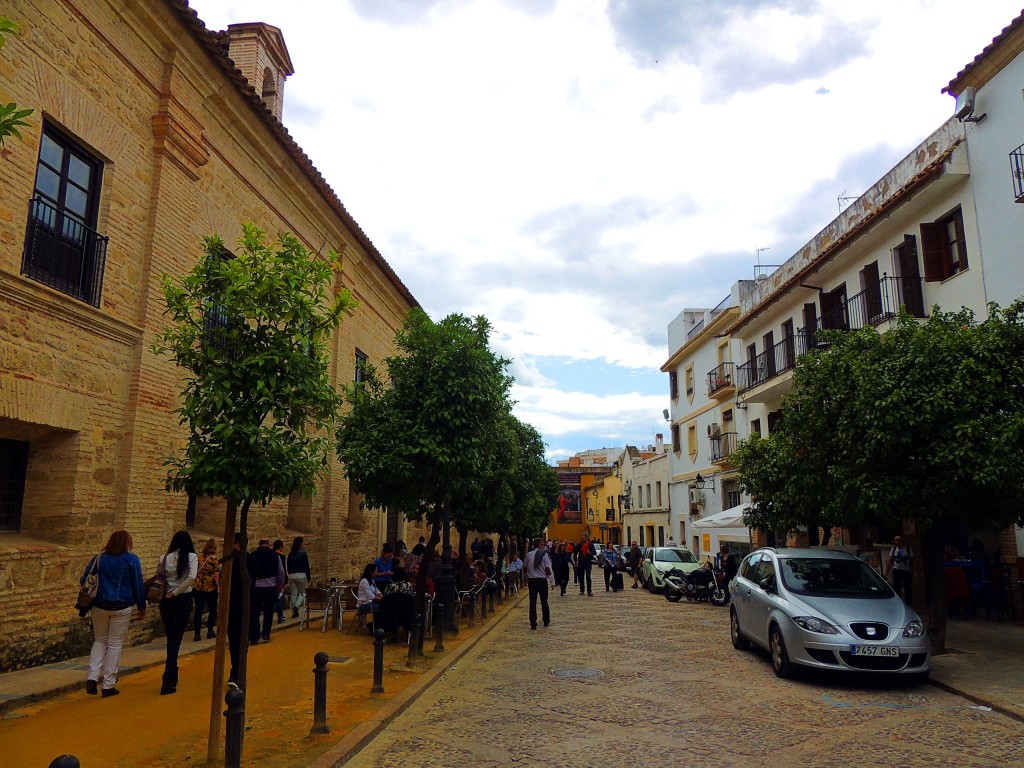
<point>90,588</point>
<point>156,585</point>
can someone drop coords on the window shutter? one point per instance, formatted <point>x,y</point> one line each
<point>934,253</point>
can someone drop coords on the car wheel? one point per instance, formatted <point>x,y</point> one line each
<point>650,585</point>
<point>781,664</point>
<point>739,640</point>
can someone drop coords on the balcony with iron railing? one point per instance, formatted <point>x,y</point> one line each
<point>721,380</point>
<point>723,445</point>
<point>1017,172</point>
<point>63,253</point>
<point>872,306</point>
<point>876,304</point>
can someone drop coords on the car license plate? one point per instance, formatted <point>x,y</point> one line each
<point>874,650</point>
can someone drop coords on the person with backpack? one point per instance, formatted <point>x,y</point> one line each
<point>206,589</point>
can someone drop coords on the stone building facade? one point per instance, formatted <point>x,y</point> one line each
<point>145,138</point>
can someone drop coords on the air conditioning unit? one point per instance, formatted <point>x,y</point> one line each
<point>696,496</point>
<point>714,430</point>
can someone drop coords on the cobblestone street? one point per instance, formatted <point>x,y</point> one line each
<point>670,690</point>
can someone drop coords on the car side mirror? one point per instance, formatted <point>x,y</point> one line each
<point>768,584</point>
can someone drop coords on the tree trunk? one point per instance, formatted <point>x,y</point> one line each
<point>243,571</point>
<point>933,543</point>
<point>221,646</point>
<point>425,560</point>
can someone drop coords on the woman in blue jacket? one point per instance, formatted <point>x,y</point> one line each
<point>120,592</point>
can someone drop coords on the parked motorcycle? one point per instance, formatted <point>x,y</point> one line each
<point>703,585</point>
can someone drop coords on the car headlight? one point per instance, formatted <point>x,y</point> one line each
<point>814,624</point>
<point>914,629</point>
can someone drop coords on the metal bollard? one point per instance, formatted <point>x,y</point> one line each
<point>439,629</point>
<point>414,640</point>
<point>483,602</point>
<point>472,609</point>
<point>320,694</point>
<point>490,597</point>
<point>235,714</point>
<point>378,661</point>
<point>65,761</point>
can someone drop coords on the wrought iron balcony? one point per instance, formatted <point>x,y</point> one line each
<point>63,253</point>
<point>1017,172</point>
<point>723,446</point>
<point>721,377</point>
<point>869,307</point>
<point>877,304</point>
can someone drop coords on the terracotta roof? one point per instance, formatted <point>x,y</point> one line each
<point>953,86</point>
<point>215,45</point>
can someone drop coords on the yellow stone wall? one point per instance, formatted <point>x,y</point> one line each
<point>185,154</point>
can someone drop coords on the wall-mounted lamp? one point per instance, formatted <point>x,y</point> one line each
<point>701,483</point>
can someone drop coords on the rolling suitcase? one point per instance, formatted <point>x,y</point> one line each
<point>617,581</point>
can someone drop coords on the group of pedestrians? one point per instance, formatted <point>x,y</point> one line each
<point>552,563</point>
<point>394,572</point>
<point>191,586</point>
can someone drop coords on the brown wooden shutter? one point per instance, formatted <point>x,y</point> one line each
<point>935,267</point>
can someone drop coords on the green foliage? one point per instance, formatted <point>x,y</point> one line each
<point>257,402</point>
<point>925,421</point>
<point>441,432</point>
<point>11,117</point>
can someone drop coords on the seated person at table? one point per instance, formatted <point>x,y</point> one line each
<point>480,577</point>
<point>399,583</point>
<point>429,590</point>
<point>368,597</point>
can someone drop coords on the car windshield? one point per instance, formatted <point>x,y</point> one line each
<point>674,556</point>
<point>823,577</point>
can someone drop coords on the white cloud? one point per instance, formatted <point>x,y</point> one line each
<point>580,170</point>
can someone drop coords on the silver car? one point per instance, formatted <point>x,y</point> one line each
<point>824,608</point>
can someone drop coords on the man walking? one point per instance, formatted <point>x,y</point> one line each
<point>538,571</point>
<point>634,561</point>
<point>584,562</point>
<point>268,582</point>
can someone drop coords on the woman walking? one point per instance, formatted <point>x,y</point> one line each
<point>206,589</point>
<point>560,564</point>
<point>298,574</point>
<point>181,564</point>
<point>120,591</point>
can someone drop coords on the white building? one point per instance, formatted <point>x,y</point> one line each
<point>706,422</point>
<point>991,108</point>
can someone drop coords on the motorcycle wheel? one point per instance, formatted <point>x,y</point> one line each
<point>672,595</point>
<point>719,597</point>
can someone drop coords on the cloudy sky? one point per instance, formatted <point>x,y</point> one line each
<point>579,171</point>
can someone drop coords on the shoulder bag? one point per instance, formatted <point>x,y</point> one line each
<point>156,585</point>
<point>91,586</point>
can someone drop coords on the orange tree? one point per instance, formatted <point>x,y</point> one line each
<point>249,329</point>
<point>923,422</point>
<point>425,437</point>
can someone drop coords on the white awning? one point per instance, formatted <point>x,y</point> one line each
<point>729,518</point>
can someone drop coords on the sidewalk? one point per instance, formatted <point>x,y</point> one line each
<point>45,712</point>
<point>984,663</point>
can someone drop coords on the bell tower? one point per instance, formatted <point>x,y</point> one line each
<point>258,50</point>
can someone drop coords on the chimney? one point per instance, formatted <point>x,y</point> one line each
<point>258,50</point>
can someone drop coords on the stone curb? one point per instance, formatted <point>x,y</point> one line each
<point>346,748</point>
<point>1002,707</point>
